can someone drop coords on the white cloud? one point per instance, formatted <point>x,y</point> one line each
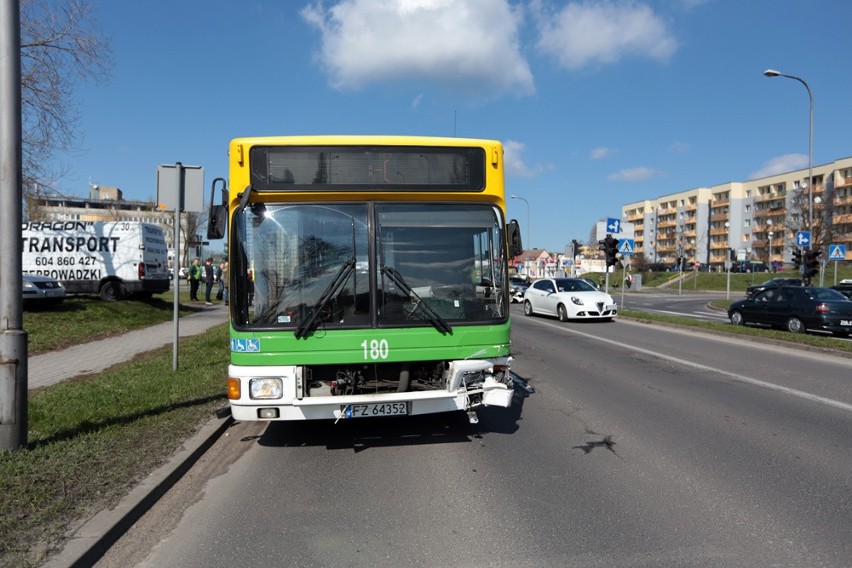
<point>515,164</point>
<point>415,104</point>
<point>781,165</point>
<point>635,174</point>
<point>600,153</point>
<point>455,43</point>
<point>588,33</point>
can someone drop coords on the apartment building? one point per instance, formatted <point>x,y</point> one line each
<point>757,219</point>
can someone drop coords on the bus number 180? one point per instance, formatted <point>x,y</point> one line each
<point>375,349</point>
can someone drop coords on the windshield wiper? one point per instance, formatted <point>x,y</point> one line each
<point>431,316</point>
<point>330,292</point>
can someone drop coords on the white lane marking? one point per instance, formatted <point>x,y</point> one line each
<point>735,376</point>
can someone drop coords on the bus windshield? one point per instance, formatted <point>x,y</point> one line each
<point>370,264</point>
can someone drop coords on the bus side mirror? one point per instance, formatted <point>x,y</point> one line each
<point>217,217</point>
<point>513,231</point>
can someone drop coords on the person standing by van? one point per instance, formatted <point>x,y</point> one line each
<point>223,281</point>
<point>209,278</point>
<point>194,276</point>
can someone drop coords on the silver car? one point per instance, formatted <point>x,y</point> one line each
<point>42,289</point>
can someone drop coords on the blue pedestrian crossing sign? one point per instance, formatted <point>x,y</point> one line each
<point>836,252</point>
<point>625,246</point>
<point>803,239</point>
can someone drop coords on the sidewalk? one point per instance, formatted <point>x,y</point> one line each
<point>97,356</point>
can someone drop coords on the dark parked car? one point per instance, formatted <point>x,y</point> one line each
<point>845,289</point>
<point>796,309</point>
<point>750,266</point>
<point>755,288</point>
<point>658,267</point>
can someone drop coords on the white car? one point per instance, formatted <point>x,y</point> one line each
<point>567,299</point>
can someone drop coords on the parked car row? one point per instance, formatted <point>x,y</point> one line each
<point>749,267</point>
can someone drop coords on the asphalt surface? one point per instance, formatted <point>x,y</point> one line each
<point>91,540</point>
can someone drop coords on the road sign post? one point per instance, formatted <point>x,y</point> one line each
<point>180,188</point>
<point>625,247</point>
<point>836,252</point>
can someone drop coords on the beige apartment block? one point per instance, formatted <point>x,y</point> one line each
<point>751,220</point>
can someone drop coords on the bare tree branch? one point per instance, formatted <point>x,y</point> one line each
<point>59,45</point>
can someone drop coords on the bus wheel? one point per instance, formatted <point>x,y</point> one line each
<point>111,291</point>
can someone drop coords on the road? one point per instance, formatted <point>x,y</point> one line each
<point>688,304</point>
<point>641,446</point>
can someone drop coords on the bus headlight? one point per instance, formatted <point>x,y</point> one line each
<point>266,388</point>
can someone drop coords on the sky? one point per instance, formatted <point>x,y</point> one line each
<point>598,103</point>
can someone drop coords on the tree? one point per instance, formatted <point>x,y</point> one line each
<point>823,231</point>
<point>59,43</point>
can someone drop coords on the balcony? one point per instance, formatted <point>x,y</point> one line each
<point>842,182</point>
<point>769,197</point>
<point>718,231</point>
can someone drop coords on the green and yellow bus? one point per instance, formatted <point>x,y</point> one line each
<point>368,276</point>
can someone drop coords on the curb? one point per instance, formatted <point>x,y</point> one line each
<point>92,540</point>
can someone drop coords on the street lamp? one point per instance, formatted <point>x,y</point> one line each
<point>771,234</point>
<point>774,73</point>
<point>528,217</point>
<point>728,261</point>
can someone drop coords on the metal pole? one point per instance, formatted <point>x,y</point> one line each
<point>728,290</point>
<point>13,344</point>
<point>176,315</point>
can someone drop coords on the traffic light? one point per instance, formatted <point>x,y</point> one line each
<point>577,246</point>
<point>812,263</point>
<point>797,257</point>
<point>610,247</point>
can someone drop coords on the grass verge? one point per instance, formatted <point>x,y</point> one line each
<point>92,440</point>
<point>87,319</point>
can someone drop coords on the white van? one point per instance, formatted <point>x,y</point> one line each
<point>111,259</point>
